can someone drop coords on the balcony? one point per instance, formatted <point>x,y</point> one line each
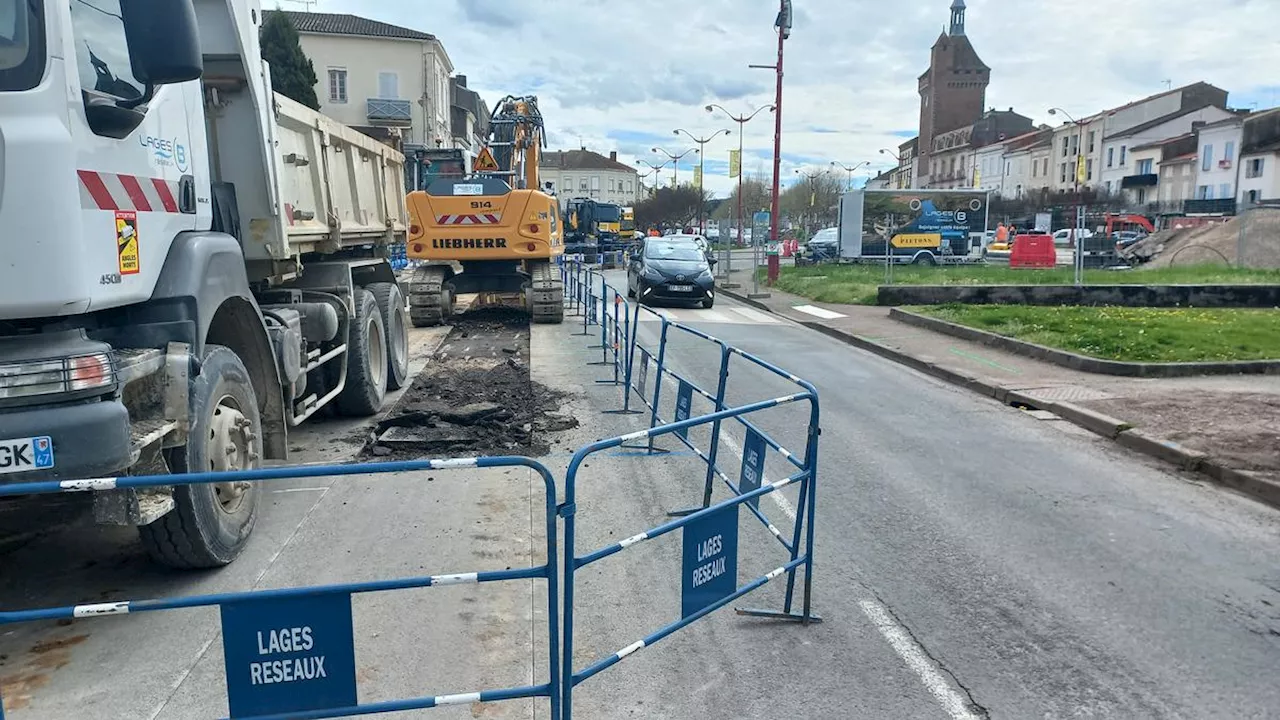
<point>389,113</point>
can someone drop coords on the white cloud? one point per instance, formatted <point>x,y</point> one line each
<point>622,74</point>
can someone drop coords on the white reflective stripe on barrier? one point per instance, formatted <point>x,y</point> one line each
<point>96,609</point>
<point>453,463</point>
<point>637,645</point>
<point>633,540</point>
<point>458,699</point>
<point>455,579</point>
<point>91,484</point>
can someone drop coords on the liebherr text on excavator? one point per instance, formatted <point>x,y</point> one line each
<point>505,239</point>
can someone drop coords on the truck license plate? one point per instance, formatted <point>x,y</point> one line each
<point>23,454</point>
<point>680,288</point>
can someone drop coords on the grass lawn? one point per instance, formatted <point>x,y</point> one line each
<point>1129,334</point>
<point>856,284</point>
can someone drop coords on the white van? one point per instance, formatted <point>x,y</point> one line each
<point>1062,238</point>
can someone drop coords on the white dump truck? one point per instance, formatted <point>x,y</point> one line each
<point>192,264</point>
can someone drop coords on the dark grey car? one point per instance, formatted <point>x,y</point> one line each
<point>671,270</point>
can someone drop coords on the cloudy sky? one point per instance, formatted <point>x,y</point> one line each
<point>623,74</point>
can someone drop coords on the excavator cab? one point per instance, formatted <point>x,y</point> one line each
<point>479,234</point>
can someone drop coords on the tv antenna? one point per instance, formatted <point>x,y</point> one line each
<point>306,4</point>
<point>1168,84</point>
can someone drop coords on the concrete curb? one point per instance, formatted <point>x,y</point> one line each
<point>1084,363</point>
<point>1124,433</point>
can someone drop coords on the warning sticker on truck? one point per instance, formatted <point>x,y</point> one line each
<point>127,242</point>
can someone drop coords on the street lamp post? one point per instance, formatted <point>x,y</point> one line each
<point>742,121</point>
<point>675,163</point>
<point>702,157</point>
<point>897,158</point>
<point>812,177</point>
<point>1078,255</point>
<point>848,184</point>
<point>783,25</point>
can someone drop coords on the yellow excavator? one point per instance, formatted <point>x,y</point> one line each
<point>498,225</point>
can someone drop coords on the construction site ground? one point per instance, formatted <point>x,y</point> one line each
<point>972,561</point>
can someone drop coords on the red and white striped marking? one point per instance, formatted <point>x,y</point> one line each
<point>485,219</point>
<point>109,191</point>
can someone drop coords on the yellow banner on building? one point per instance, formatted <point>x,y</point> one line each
<point>1081,176</point>
<point>735,163</point>
<point>977,178</point>
<point>697,176</point>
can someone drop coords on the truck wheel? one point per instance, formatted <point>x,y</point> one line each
<point>366,360</point>
<point>924,259</point>
<point>395,318</point>
<point>210,524</point>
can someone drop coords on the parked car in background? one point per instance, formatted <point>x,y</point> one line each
<point>1063,237</point>
<point>823,246</point>
<point>698,240</point>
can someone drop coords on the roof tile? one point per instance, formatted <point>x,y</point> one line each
<point>343,24</point>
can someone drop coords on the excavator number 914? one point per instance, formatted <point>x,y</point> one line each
<point>481,204</point>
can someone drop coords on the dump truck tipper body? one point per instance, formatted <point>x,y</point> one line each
<point>195,264</point>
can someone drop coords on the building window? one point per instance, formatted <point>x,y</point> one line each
<point>1229,152</point>
<point>1144,167</point>
<point>1092,134</point>
<point>1206,158</point>
<point>1204,192</point>
<point>582,183</point>
<point>1142,195</point>
<point>1253,168</point>
<point>1066,146</point>
<point>388,86</point>
<point>568,183</point>
<point>337,85</point>
<point>1224,190</point>
<point>1253,197</point>
<point>629,186</point>
<point>1124,155</point>
<point>610,184</point>
<point>1111,157</point>
<point>595,183</point>
<point>1088,169</point>
<point>1063,172</point>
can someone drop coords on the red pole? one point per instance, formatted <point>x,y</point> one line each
<point>741,237</point>
<point>777,134</point>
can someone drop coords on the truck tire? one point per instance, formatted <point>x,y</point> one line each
<point>210,524</point>
<point>395,319</point>
<point>366,360</point>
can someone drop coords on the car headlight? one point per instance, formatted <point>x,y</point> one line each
<point>62,375</point>
<point>652,275</point>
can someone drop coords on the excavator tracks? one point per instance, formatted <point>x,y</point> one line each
<point>546,293</point>
<point>430,296</point>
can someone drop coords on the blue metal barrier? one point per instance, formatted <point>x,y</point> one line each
<point>320,616</point>
<point>713,532</point>
<point>747,491</point>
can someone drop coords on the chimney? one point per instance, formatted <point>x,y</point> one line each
<point>613,155</point>
<point>1196,125</point>
<point>461,80</point>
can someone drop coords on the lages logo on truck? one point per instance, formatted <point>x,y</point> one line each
<point>167,153</point>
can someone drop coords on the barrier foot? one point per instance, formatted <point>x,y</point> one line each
<point>601,362</point>
<point>621,411</point>
<point>608,382</point>
<point>686,511</point>
<point>809,619</point>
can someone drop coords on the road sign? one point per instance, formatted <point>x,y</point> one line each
<point>287,655</point>
<point>484,162</point>
<point>752,465</point>
<point>684,401</point>
<point>710,568</point>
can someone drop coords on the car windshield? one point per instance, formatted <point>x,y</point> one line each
<point>828,234</point>
<point>606,213</point>
<point>667,250</point>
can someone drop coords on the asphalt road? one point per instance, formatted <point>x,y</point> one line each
<point>974,560</point>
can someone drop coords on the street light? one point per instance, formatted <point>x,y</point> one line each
<point>812,177</point>
<point>1078,241</point>
<point>742,121</point>
<point>848,185</point>
<point>702,157</point>
<point>783,25</point>
<point>675,163</point>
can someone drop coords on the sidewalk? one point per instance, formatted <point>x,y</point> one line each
<point>1227,426</point>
